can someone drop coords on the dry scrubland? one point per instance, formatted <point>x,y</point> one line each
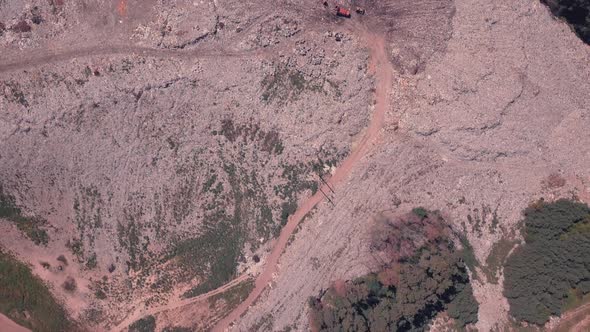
<point>151,150</point>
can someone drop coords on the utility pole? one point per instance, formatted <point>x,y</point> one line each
<point>328,198</point>
<point>326,183</point>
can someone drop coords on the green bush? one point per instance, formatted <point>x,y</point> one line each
<point>553,262</point>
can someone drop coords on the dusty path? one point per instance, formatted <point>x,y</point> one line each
<point>49,56</point>
<point>382,69</point>
<point>175,304</point>
<point>7,325</point>
<point>574,320</point>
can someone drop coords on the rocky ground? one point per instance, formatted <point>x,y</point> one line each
<point>151,140</point>
<point>142,161</point>
<point>493,122</point>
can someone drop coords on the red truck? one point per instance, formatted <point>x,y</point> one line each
<point>342,12</point>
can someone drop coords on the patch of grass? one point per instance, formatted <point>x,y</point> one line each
<point>27,300</point>
<point>285,84</point>
<point>233,296</point>
<point>130,238</point>
<point>575,298</point>
<point>213,255</point>
<point>497,258</point>
<point>469,255</point>
<point>30,226</point>
<point>267,141</point>
<point>87,208</point>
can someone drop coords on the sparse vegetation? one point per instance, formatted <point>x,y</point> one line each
<point>26,299</point>
<point>422,275</point>
<point>76,246</point>
<point>130,238</point>
<point>100,294</point>
<point>497,258</point>
<point>91,262</point>
<point>233,296</point>
<point>218,248</point>
<point>269,141</point>
<point>287,84</point>
<point>30,226</point>
<point>542,275</point>
<point>14,93</point>
<point>468,255</point>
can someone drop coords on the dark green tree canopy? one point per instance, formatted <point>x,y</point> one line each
<point>422,274</point>
<point>555,261</point>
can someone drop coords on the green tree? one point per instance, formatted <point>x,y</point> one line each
<point>555,259</point>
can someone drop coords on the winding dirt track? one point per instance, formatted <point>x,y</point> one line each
<point>383,73</point>
<point>60,55</point>
<point>573,321</point>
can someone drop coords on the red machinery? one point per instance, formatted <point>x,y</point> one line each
<point>343,12</point>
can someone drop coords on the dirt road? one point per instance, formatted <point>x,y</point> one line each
<point>175,304</point>
<point>63,54</point>
<point>380,66</point>
<point>577,319</point>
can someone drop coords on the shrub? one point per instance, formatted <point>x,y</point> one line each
<point>62,258</point>
<point>91,262</point>
<point>420,212</point>
<point>21,26</point>
<point>69,284</point>
<point>146,324</point>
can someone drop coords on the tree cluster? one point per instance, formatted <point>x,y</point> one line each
<point>554,262</point>
<point>422,274</point>
<point>575,12</point>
